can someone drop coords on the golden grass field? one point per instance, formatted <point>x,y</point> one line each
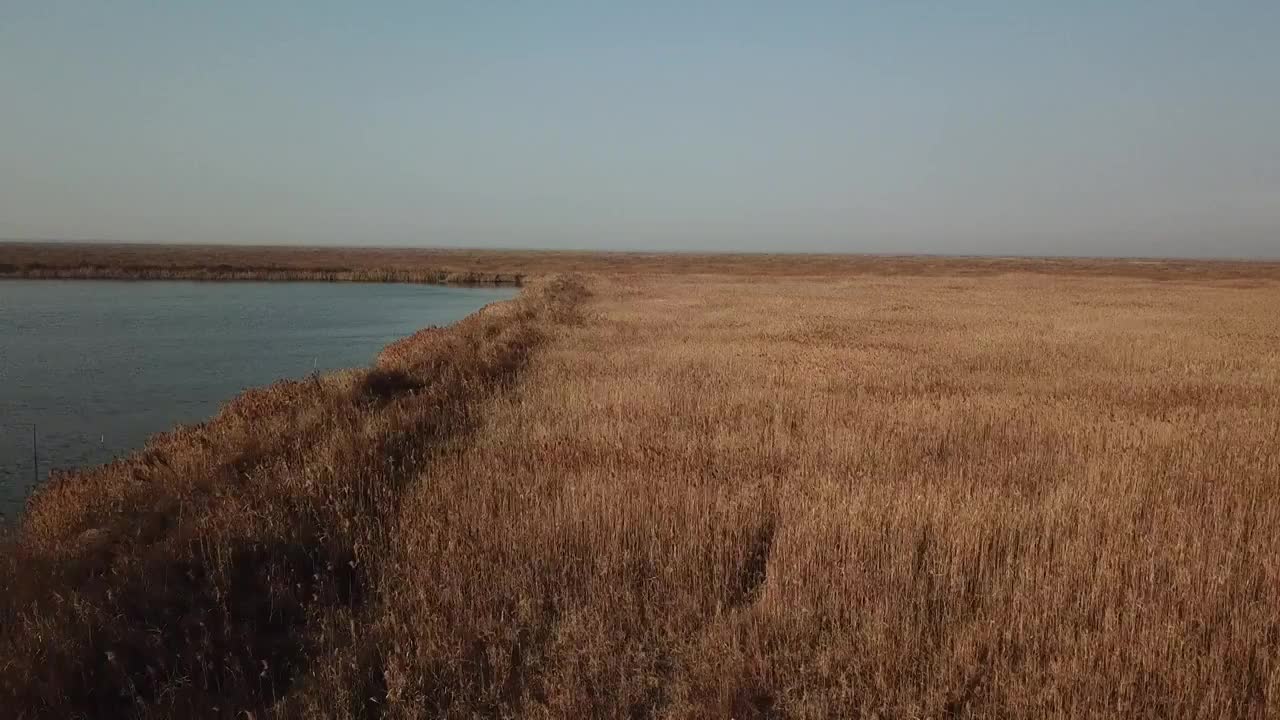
<point>705,487</point>
<point>905,497</point>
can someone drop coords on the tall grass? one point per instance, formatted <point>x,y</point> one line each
<point>1007,497</point>
<point>1037,494</point>
<point>205,574</point>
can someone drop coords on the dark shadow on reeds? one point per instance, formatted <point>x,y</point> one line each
<point>202,575</point>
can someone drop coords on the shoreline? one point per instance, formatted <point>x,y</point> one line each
<point>12,515</point>
<point>249,274</point>
<point>252,537</point>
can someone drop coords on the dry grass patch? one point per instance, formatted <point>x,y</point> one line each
<point>1046,493</point>
<point>896,497</point>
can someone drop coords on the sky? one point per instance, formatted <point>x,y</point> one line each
<point>1063,128</point>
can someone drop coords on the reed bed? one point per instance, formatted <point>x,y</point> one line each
<point>206,574</point>
<point>906,498</point>
<point>893,494</point>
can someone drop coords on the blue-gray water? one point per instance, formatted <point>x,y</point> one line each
<point>97,366</point>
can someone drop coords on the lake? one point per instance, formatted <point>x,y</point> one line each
<point>98,366</point>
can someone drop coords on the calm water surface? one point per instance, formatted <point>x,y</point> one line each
<point>99,366</point>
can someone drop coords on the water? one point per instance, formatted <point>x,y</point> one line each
<point>98,366</point>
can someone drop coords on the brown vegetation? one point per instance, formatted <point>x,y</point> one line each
<point>925,497</point>
<point>203,575</point>
<point>230,262</point>
<point>1047,493</point>
<point>69,261</point>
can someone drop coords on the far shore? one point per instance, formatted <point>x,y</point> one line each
<point>230,273</point>
<point>453,266</point>
<point>88,261</point>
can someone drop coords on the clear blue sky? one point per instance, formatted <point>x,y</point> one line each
<point>1132,128</point>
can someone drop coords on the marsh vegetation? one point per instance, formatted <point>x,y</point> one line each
<point>1025,493</point>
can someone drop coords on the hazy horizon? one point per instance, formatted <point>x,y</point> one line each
<point>1102,129</point>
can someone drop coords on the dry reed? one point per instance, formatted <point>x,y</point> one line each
<point>922,497</point>
<point>902,493</point>
<point>201,575</point>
